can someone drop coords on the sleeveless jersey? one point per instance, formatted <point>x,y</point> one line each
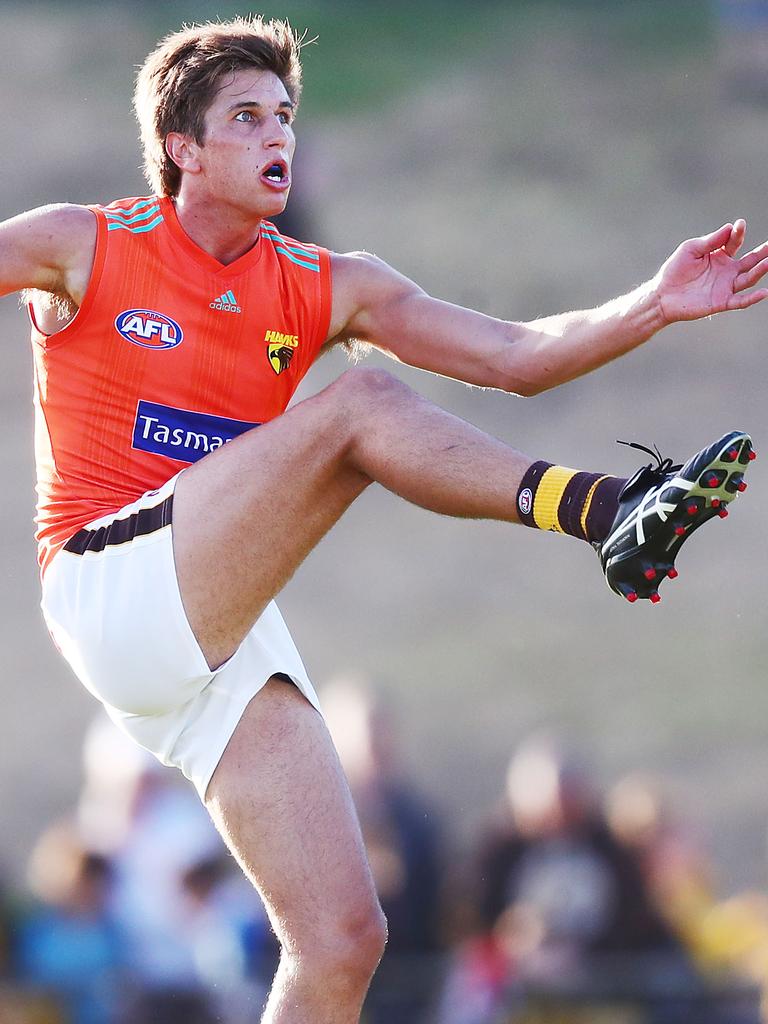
<point>170,356</point>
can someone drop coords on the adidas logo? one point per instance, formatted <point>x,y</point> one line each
<point>226,302</point>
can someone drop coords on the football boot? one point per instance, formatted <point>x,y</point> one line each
<point>662,505</point>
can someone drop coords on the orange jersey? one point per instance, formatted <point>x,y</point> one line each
<point>170,356</point>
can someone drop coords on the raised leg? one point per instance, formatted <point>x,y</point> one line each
<point>246,516</point>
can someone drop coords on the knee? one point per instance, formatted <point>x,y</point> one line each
<point>348,948</point>
<point>370,385</point>
<point>352,403</point>
<point>361,399</point>
<point>355,943</point>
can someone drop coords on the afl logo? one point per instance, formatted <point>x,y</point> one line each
<point>149,329</point>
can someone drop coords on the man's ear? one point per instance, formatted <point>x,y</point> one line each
<point>184,152</point>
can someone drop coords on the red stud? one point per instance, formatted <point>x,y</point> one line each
<point>731,454</point>
<point>691,510</point>
<point>672,574</point>
<point>742,486</point>
<point>655,598</point>
<point>650,574</point>
<point>679,530</point>
<point>752,455</point>
<point>715,503</point>
<point>631,597</point>
<point>723,513</point>
<point>712,481</point>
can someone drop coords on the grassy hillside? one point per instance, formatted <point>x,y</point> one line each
<point>528,159</point>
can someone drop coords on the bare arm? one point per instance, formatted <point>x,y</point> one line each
<point>51,249</point>
<point>374,303</point>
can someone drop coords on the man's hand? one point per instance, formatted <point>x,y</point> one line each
<point>705,276</point>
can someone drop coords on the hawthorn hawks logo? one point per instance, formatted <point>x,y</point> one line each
<point>280,349</point>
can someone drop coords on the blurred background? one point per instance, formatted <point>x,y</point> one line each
<point>554,784</point>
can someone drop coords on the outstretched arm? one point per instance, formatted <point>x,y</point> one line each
<point>374,303</point>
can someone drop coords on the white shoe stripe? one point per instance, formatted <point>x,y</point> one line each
<point>650,505</point>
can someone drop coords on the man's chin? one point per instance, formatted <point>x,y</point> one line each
<point>273,206</point>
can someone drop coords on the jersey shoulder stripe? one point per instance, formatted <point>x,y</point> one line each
<point>127,207</point>
<point>137,216</point>
<point>139,229</point>
<point>296,260</point>
<point>302,248</point>
<point>302,255</point>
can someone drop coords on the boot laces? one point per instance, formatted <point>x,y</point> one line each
<point>662,467</point>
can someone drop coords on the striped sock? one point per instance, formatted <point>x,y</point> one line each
<point>568,501</point>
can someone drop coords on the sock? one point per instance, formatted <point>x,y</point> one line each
<point>564,500</point>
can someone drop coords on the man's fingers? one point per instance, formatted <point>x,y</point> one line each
<point>749,277</point>
<point>752,258</point>
<point>709,243</point>
<point>746,299</point>
<point>734,243</point>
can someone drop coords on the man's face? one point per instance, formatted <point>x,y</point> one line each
<point>248,147</point>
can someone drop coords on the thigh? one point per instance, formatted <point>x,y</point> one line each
<point>247,515</point>
<point>282,803</point>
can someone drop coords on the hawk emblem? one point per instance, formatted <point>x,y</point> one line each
<point>280,349</point>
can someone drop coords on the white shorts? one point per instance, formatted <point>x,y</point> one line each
<point>112,604</point>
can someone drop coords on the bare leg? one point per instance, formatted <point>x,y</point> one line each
<point>247,516</point>
<point>281,801</point>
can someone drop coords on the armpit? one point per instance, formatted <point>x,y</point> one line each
<point>52,311</point>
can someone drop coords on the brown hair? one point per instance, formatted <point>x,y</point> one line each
<point>180,78</point>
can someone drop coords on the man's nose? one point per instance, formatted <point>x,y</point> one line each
<point>276,134</point>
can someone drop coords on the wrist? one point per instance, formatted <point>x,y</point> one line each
<point>652,301</point>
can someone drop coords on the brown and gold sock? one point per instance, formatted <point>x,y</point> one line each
<point>583,505</point>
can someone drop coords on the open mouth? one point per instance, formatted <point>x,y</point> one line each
<point>276,173</point>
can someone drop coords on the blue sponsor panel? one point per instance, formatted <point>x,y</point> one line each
<point>182,434</point>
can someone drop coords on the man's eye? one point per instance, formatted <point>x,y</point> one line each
<point>284,118</point>
<point>244,115</point>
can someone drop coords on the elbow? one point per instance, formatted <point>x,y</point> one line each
<point>521,384</point>
<point>518,370</point>
<point>527,388</point>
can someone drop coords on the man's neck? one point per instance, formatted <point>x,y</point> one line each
<point>218,229</point>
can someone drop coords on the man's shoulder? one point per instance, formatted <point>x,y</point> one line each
<point>361,276</point>
<point>61,233</point>
<point>359,265</point>
<point>62,218</point>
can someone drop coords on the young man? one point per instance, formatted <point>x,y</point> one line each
<point>177,326</point>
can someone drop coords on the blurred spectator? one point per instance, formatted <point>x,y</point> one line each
<point>677,874</point>
<point>732,935</point>
<point>560,902</point>
<point>70,945</point>
<point>403,845</point>
<point>194,929</point>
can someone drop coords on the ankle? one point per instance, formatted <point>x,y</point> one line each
<point>564,500</point>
